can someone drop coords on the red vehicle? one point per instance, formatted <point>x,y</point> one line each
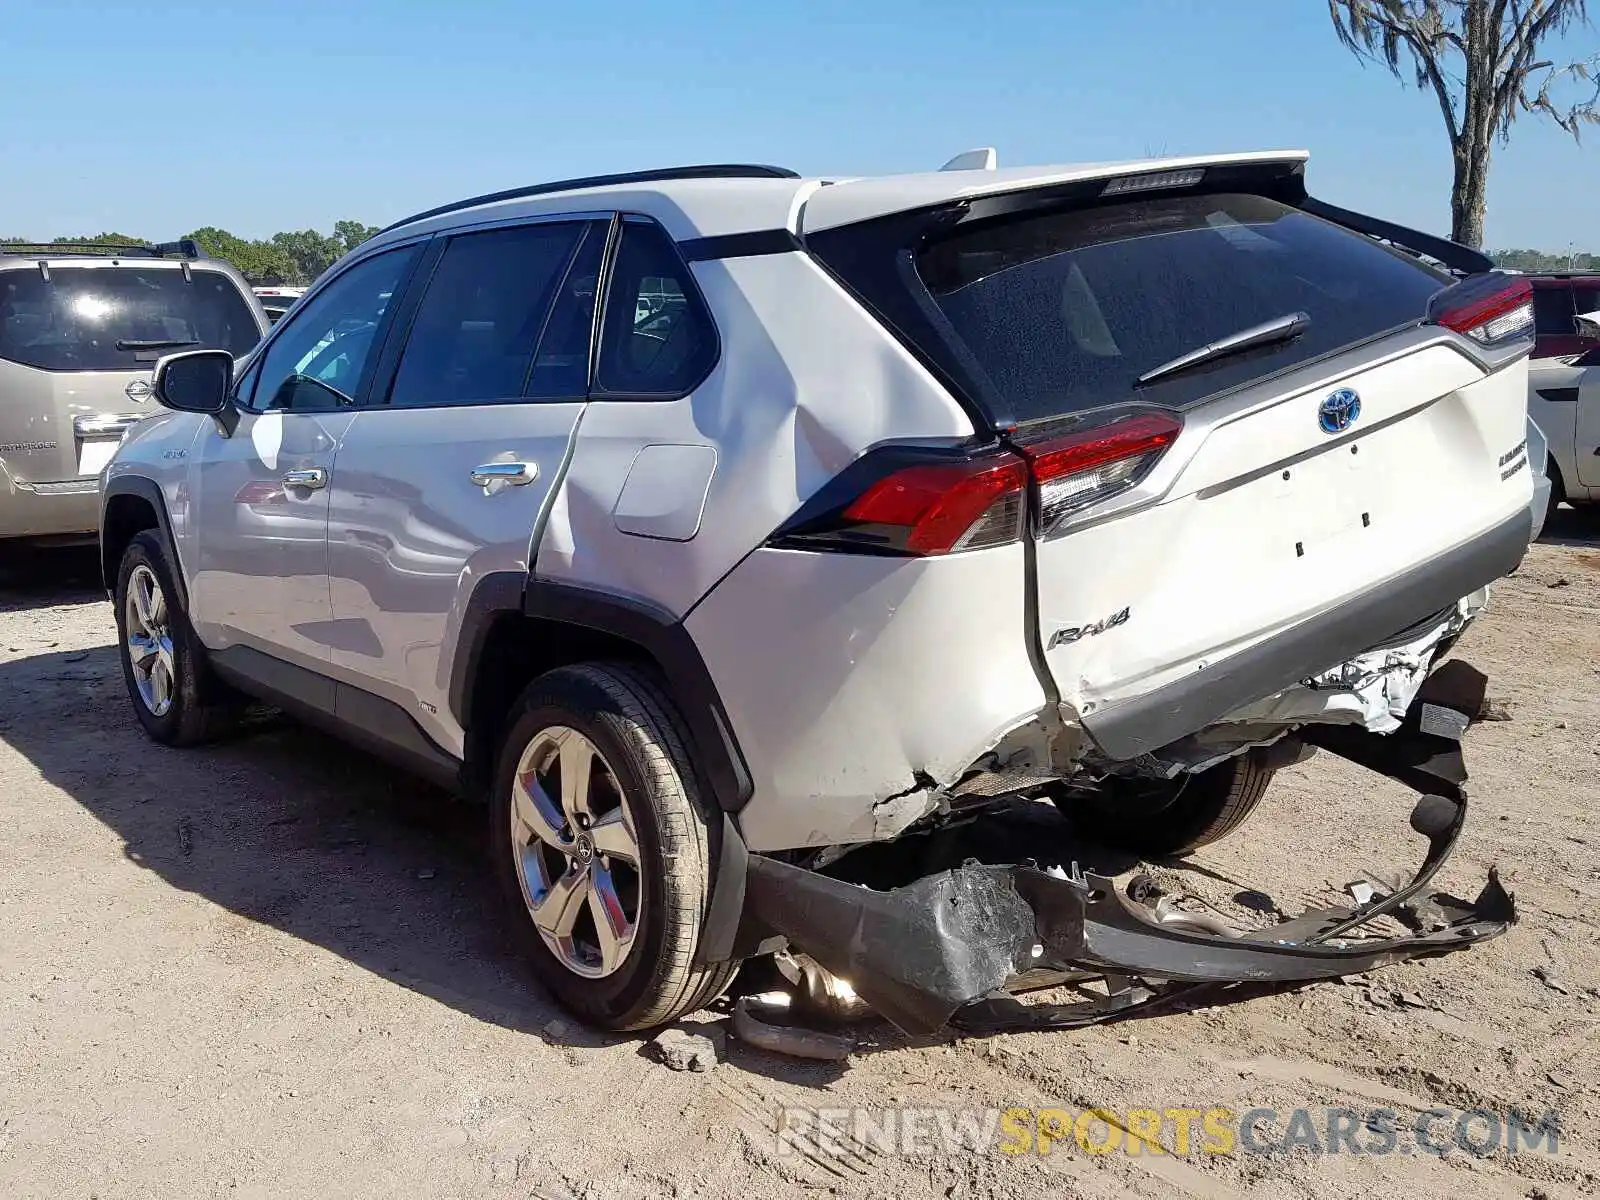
<point>1557,299</point>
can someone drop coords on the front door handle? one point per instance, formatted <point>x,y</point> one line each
<point>504,474</point>
<point>313,477</point>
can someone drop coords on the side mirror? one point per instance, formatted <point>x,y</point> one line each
<point>1588,324</point>
<point>195,381</point>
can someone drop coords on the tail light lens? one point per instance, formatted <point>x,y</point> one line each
<point>888,506</point>
<point>1084,468</point>
<point>938,509</point>
<point>1490,309</point>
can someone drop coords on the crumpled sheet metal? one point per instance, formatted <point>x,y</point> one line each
<point>1374,690</point>
<point>941,949</point>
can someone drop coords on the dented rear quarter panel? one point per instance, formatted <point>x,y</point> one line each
<point>856,681</point>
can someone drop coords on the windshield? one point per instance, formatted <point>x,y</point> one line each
<point>1066,311</point>
<point>119,318</point>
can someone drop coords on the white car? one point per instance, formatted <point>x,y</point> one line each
<point>715,524</point>
<point>1564,384</point>
<point>277,300</point>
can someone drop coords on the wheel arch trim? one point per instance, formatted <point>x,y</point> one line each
<point>718,762</point>
<point>149,491</point>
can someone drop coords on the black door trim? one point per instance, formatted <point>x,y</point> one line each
<point>715,750</point>
<point>377,725</point>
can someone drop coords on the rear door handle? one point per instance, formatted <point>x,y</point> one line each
<point>313,477</point>
<point>504,474</point>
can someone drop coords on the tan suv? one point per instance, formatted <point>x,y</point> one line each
<point>80,330</point>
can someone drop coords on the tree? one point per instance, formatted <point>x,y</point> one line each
<point>352,233</point>
<point>1481,59</point>
<point>297,257</point>
<point>259,262</point>
<point>311,252</point>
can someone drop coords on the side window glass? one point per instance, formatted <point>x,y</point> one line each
<point>1552,310</point>
<point>657,337</point>
<point>483,313</point>
<point>244,388</point>
<point>561,365</point>
<point>321,354</point>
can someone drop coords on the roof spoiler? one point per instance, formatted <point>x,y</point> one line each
<point>982,159</point>
<point>1452,254</point>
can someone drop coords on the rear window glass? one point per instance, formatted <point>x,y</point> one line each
<point>118,318</point>
<point>1065,311</point>
<point>1552,310</point>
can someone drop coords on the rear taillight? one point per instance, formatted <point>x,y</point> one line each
<point>1490,309</point>
<point>1084,468</point>
<point>937,509</point>
<point>889,502</point>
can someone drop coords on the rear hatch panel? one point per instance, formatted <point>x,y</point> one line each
<point>1264,526</point>
<point>78,340</point>
<point>1327,490</point>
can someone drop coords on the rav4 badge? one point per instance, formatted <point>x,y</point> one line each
<point>1075,633</point>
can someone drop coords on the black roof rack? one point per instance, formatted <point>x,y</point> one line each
<point>711,171</point>
<point>182,248</point>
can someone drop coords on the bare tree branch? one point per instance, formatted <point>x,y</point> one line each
<point>1482,60</point>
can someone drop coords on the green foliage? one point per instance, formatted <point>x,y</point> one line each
<point>284,258</point>
<point>1536,262</point>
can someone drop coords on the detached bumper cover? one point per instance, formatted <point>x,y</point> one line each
<point>941,950</point>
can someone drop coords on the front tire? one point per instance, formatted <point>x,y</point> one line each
<point>163,661</point>
<point>602,847</point>
<point>1173,817</point>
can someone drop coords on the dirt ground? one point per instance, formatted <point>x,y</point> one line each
<point>271,968</point>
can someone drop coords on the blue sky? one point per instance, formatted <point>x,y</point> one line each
<point>155,118</point>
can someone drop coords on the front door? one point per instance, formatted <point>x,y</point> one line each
<point>448,470</point>
<point>1586,451</point>
<point>261,493</point>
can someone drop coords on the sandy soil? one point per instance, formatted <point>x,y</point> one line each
<point>271,968</point>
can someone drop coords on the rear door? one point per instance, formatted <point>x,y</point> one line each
<point>1586,420</point>
<point>445,476</point>
<point>1188,512</point>
<point>78,339</point>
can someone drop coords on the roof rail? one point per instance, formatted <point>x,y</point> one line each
<point>710,171</point>
<point>182,248</point>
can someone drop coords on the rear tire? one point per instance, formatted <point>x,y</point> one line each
<point>1172,817</point>
<point>631,846</point>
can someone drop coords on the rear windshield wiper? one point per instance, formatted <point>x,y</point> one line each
<point>154,343</point>
<point>1279,329</point>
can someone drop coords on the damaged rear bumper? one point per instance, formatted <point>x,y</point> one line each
<point>941,950</point>
<point>1124,731</point>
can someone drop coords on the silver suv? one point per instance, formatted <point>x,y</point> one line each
<point>715,524</point>
<point>80,330</point>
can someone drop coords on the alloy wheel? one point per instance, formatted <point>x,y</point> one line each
<point>576,852</point>
<point>149,637</point>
